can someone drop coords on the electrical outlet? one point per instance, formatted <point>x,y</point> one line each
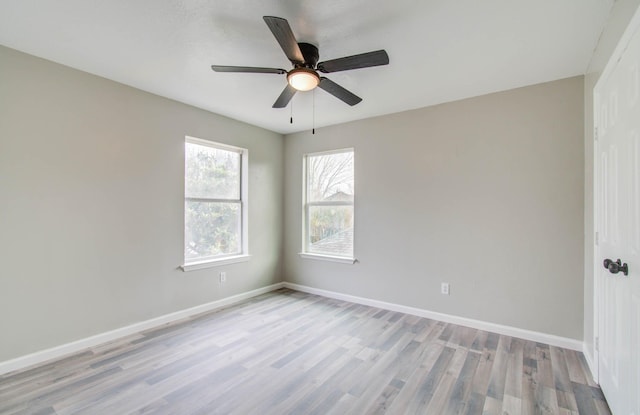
<point>444,288</point>
<point>223,277</point>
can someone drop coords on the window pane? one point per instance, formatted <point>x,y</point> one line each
<point>211,228</point>
<point>211,172</point>
<point>330,177</point>
<point>331,230</point>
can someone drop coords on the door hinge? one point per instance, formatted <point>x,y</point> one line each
<point>596,344</point>
<point>595,133</point>
<point>597,238</point>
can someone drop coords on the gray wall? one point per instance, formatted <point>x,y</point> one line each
<point>91,205</point>
<point>484,193</point>
<point>619,18</point>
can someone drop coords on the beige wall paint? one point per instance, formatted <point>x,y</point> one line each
<point>91,205</point>
<point>619,18</point>
<point>484,193</point>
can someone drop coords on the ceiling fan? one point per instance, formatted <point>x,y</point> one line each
<point>304,58</point>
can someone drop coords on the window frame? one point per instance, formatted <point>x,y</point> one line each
<point>306,205</point>
<point>218,260</point>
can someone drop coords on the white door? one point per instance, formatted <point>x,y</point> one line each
<point>617,159</point>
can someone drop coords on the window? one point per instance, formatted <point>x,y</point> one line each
<point>214,203</point>
<point>328,204</point>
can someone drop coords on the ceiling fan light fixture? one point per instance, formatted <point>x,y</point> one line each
<point>303,79</point>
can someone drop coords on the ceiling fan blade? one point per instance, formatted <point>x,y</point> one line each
<point>283,34</point>
<point>363,60</point>
<point>338,91</point>
<point>246,69</point>
<point>285,97</point>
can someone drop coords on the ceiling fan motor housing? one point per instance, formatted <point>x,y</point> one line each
<point>310,53</point>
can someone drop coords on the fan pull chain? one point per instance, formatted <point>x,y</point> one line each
<point>291,116</point>
<point>313,127</point>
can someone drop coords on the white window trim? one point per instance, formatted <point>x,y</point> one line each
<point>305,206</point>
<point>211,263</point>
<point>243,256</point>
<point>322,257</point>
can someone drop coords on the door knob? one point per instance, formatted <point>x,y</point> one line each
<point>616,267</point>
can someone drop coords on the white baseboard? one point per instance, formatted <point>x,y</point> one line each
<point>550,339</point>
<point>82,344</point>
<point>57,352</point>
<point>591,363</point>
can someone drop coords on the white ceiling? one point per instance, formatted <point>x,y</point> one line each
<point>439,50</point>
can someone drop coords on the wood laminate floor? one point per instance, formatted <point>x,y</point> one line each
<point>288,352</point>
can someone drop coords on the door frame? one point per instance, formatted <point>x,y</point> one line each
<point>629,31</point>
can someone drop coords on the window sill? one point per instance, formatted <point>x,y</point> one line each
<point>342,260</point>
<point>193,266</point>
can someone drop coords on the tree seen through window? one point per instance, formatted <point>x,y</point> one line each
<point>212,202</point>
